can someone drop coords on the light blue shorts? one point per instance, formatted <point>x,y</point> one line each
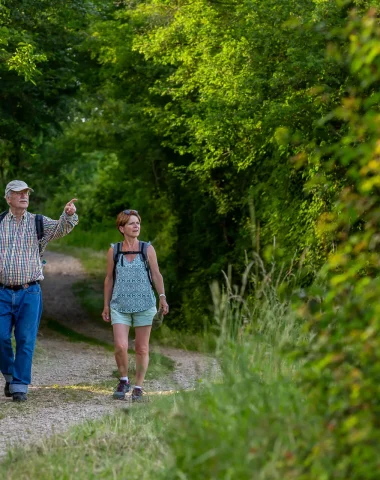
<point>136,319</point>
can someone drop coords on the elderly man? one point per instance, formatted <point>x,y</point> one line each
<point>23,238</point>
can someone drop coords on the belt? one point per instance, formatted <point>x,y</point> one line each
<point>19,287</point>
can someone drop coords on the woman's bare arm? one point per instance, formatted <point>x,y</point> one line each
<point>108,286</point>
<point>157,278</point>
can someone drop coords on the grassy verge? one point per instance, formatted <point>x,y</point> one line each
<point>129,444</point>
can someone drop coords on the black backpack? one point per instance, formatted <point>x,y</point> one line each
<point>39,219</point>
<point>143,249</point>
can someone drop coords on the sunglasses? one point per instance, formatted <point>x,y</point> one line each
<point>129,212</point>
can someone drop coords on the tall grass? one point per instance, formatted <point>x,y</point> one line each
<point>250,425</point>
<point>261,322</point>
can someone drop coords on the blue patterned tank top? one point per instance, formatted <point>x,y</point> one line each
<point>132,291</point>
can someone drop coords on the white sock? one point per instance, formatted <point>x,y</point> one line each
<point>136,386</point>
<point>124,378</point>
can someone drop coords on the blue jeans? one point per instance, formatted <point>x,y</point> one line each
<point>19,310</point>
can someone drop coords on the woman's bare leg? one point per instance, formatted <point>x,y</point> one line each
<point>120,340</point>
<point>142,352</point>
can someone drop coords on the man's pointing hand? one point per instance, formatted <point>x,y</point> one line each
<point>70,208</point>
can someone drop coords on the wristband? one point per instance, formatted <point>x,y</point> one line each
<point>162,295</point>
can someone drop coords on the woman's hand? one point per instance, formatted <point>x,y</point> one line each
<point>164,305</point>
<point>106,314</point>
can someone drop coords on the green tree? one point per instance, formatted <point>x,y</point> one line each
<point>39,77</point>
<point>248,84</point>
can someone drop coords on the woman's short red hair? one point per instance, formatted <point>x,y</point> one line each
<point>123,218</point>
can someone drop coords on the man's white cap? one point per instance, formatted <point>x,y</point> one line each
<point>16,186</point>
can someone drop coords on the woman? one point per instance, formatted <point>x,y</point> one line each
<point>129,300</point>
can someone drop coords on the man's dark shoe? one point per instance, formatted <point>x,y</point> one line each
<point>19,397</point>
<point>7,392</point>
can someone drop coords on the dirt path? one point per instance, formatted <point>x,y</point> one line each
<point>60,303</point>
<point>67,377</point>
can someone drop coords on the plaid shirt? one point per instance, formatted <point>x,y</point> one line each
<point>20,260</point>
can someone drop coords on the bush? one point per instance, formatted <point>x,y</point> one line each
<point>342,370</point>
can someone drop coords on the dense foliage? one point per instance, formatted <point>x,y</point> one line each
<point>39,78</point>
<point>342,370</point>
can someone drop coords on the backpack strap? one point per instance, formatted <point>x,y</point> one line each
<point>39,220</point>
<point>2,215</point>
<point>116,253</point>
<point>144,255</point>
<point>143,251</point>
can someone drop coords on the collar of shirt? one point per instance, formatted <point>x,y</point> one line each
<point>12,215</point>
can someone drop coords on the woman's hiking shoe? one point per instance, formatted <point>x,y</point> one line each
<point>138,395</point>
<point>7,392</point>
<point>121,390</point>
